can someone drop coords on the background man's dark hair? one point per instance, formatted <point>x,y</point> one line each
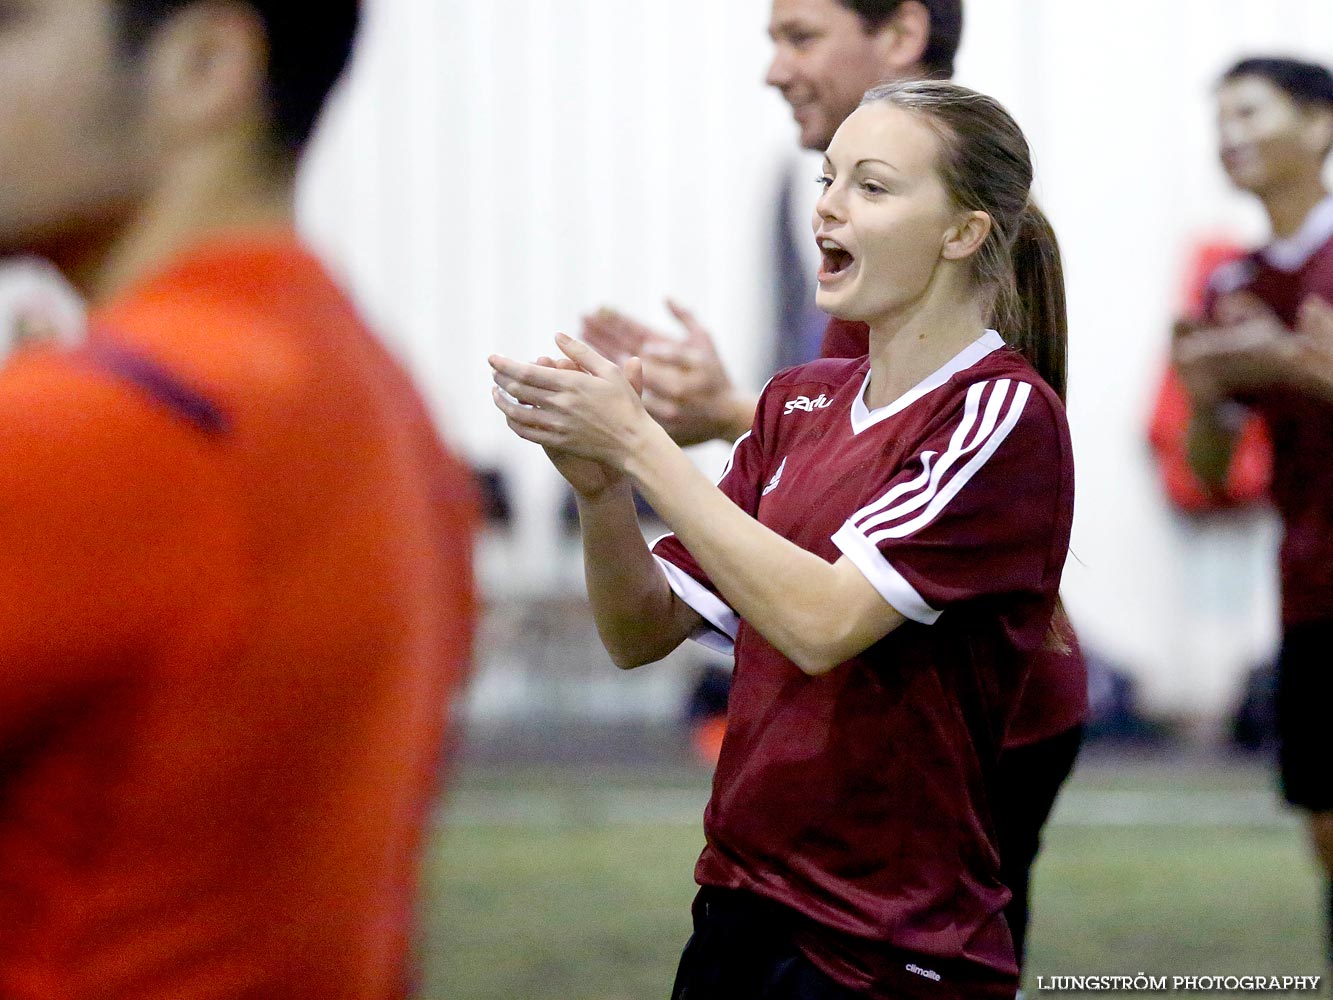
<point>946,28</point>
<point>1308,84</point>
<point>308,49</point>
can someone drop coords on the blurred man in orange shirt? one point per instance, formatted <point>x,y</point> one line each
<point>235,587</point>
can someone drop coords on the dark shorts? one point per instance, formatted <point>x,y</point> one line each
<point>1304,704</point>
<point>742,949</point>
<point>1027,781</point>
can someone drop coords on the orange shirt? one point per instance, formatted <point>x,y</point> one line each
<point>235,598</point>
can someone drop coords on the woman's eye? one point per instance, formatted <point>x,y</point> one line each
<point>823,180</point>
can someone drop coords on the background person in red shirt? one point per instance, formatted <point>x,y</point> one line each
<point>235,586</point>
<point>1267,350</point>
<point>884,552</point>
<point>827,53</point>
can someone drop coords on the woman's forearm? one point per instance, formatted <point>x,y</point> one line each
<point>638,617</point>
<point>815,613</point>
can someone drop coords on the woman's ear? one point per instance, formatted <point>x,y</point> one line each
<point>965,238</point>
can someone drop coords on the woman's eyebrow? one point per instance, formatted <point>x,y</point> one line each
<point>884,163</point>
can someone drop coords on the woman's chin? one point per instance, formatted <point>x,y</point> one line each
<point>837,306</point>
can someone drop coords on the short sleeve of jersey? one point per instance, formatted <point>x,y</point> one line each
<point>974,509</point>
<point>741,481</point>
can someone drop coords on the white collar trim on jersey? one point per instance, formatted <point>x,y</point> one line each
<point>863,417</point>
<point>1290,254</point>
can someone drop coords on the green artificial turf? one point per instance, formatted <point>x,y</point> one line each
<point>564,885</point>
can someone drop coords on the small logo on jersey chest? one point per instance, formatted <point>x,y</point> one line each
<point>806,404</point>
<point>777,478</point>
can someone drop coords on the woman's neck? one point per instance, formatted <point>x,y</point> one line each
<point>906,347</point>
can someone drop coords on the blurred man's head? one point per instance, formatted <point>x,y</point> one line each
<point>1275,122</point>
<point>106,100</point>
<point>828,53</point>
<point>305,50</point>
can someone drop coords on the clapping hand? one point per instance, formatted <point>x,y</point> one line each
<point>686,386</point>
<point>1249,349</point>
<point>584,410</point>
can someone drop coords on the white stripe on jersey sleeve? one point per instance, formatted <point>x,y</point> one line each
<point>955,485</point>
<point>890,584</point>
<point>910,488</point>
<point>721,636</point>
<point>992,417</point>
<point>909,494</point>
<point>1002,412</point>
<point>929,493</point>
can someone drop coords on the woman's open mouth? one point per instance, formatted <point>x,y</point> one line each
<point>836,261</point>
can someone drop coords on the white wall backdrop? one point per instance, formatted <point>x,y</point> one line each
<point>494,169</point>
